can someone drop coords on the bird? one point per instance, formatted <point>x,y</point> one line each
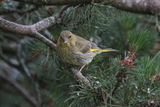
<point>76,50</point>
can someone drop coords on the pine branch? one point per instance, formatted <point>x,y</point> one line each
<point>8,47</point>
<point>135,6</point>
<point>81,78</point>
<point>59,2</point>
<point>157,22</point>
<point>20,89</point>
<point>21,61</point>
<point>62,11</point>
<point>8,61</point>
<point>31,30</point>
<point>27,29</point>
<point>2,12</point>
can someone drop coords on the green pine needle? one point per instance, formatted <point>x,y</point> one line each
<point>136,39</point>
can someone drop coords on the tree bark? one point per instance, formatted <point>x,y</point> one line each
<point>27,29</point>
<point>31,30</point>
<point>136,6</point>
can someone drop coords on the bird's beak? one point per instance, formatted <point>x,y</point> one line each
<point>65,40</point>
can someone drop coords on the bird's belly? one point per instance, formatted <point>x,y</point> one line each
<point>76,58</point>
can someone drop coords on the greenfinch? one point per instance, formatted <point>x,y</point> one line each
<point>76,50</point>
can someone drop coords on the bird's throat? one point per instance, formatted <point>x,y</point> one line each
<point>66,44</point>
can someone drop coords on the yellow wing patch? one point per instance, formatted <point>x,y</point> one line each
<point>94,49</point>
<point>102,50</point>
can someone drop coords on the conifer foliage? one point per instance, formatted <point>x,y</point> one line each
<point>32,74</point>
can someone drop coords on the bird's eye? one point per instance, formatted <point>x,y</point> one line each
<point>61,37</point>
<point>69,37</point>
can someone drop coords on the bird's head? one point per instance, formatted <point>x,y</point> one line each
<point>66,38</point>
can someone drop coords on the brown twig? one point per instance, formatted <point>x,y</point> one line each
<point>8,61</point>
<point>81,78</point>
<point>62,11</point>
<point>149,21</point>
<point>20,89</point>
<point>127,62</point>
<point>2,12</point>
<point>157,22</point>
<point>22,64</point>
<point>135,6</point>
<point>33,31</point>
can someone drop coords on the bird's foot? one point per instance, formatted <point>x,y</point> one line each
<point>79,71</point>
<point>89,77</point>
<point>75,72</point>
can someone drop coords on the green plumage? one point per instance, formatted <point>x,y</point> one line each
<point>76,50</point>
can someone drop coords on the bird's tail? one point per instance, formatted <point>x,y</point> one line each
<point>108,50</point>
<point>102,50</point>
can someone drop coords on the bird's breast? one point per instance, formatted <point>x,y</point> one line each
<point>72,56</point>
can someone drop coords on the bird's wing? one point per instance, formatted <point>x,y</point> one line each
<point>84,46</point>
